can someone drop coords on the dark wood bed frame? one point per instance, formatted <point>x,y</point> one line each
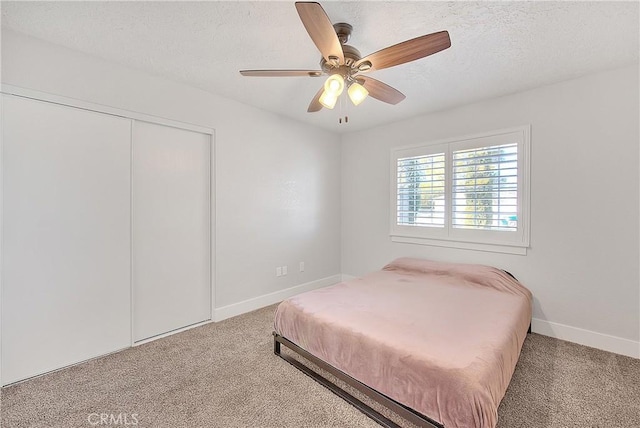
<point>400,409</point>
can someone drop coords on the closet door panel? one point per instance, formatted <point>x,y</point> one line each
<point>66,236</point>
<point>171,229</point>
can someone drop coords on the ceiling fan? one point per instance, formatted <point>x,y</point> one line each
<point>344,64</point>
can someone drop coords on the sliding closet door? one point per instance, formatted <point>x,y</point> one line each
<point>66,236</point>
<point>171,229</point>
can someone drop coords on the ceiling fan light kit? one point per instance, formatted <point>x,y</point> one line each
<point>334,85</point>
<point>343,62</point>
<point>357,93</point>
<point>328,100</point>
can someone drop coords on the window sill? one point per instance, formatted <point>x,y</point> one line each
<point>475,246</point>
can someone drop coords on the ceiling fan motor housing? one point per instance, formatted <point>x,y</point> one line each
<point>351,56</point>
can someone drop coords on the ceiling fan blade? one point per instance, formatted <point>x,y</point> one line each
<point>407,51</point>
<point>381,91</point>
<point>315,102</point>
<point>321,31</point>
<point>281,73</point>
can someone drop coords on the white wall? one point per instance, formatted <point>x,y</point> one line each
<point>277,181</point>
<point>278,187</point>
<point>582,266</point>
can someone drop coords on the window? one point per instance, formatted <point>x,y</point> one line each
<point>421,190</point>
<point>469,192</point>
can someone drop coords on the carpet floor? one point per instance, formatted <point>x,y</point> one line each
<point>225,375</point>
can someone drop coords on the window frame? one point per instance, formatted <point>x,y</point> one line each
<point>513,242</point>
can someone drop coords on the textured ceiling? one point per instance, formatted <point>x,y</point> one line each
<point>497,47</point>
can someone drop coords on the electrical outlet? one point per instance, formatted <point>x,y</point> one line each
<point>284,270</point>
<point>301,266</point>
<point>278,271</point>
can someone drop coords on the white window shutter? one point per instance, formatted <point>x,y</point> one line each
<point>485,188</point>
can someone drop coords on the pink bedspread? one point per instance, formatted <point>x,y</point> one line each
<point>440,338</point>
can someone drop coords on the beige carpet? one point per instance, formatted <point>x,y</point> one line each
<point>225,375</point>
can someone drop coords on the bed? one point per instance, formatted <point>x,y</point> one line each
<point>435,342</point>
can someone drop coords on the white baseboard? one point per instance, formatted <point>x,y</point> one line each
<point>346,277</point>
<point>617,345</point>
<point>271,298</point>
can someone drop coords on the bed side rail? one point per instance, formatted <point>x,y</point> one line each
<point>405,412</point>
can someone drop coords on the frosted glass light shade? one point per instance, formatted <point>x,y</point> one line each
<point>357,93</point>
<point>328,100</point>
<point>334,85</point>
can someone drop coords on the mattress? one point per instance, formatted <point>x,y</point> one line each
<point>440,338</point>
